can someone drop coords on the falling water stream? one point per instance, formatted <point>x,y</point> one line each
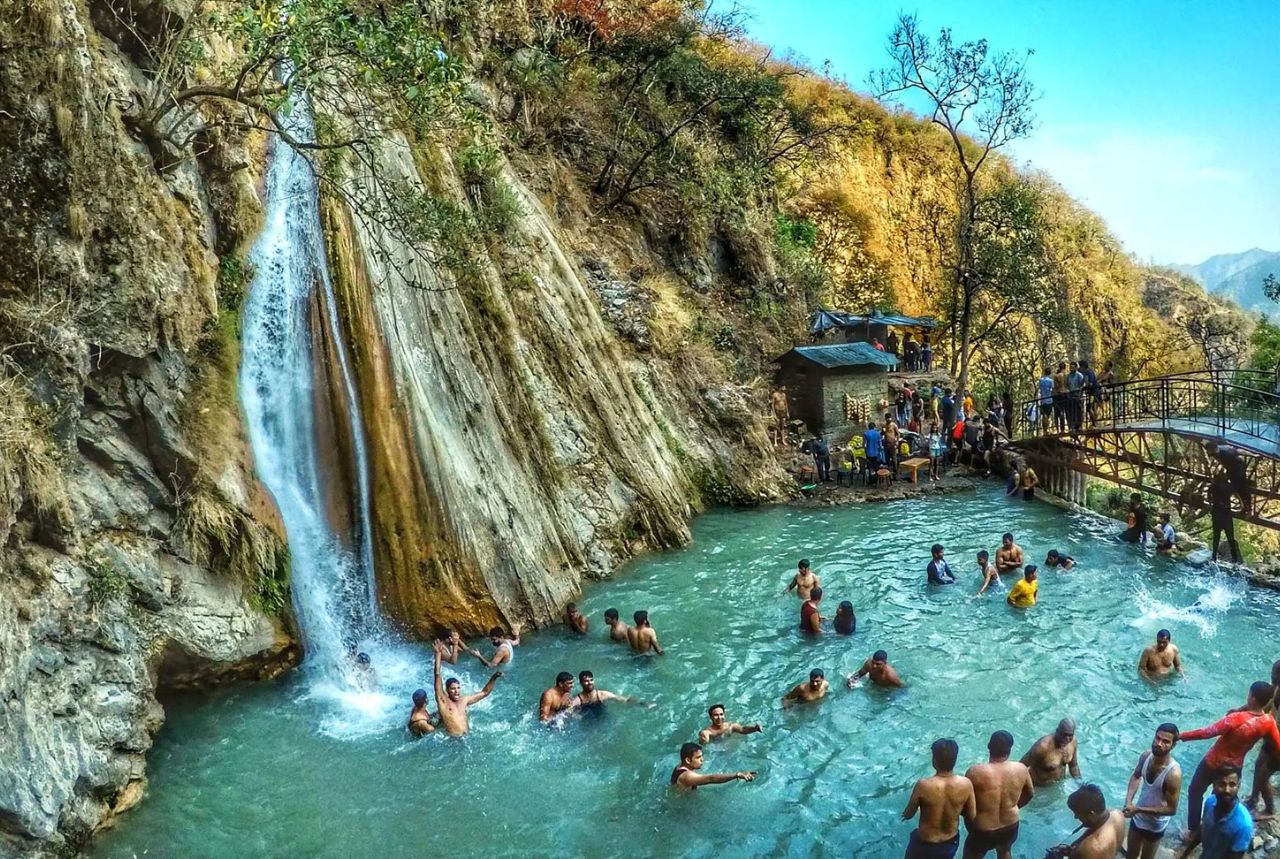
<point>332,574</point>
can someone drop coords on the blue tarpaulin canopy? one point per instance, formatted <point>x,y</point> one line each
<point>842,355</point>
<point>825,320</point>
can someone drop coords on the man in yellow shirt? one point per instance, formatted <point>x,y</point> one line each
<point>1023,593</point>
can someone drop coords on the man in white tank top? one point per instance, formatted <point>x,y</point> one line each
<point>1152,800</point>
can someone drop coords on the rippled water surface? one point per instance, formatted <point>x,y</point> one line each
<point>273,770</point>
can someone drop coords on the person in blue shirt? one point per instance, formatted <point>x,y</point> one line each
<point>1046,397</point>
<point>871,441</point>
<point>1226,828</point>
<point>939,570</point>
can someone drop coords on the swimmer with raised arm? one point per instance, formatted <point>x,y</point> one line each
<point>1054,755</point>
<point>804,580</point>
<point>617,626</point>
<point>687,777</point>
<point>804,693</point>
<point>1009,555</point>
<point>452,647</point>
<point>990,575</point>
<point>879,670</point>
<point>1160,659</point>
<point>503,648</point>
<point>641,637</point>
<point>453,705</point>
<point>720,728</point>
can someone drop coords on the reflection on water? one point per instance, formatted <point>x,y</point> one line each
<point>287,770</point>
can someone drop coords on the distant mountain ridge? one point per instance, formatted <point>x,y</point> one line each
<point>1238,277</point>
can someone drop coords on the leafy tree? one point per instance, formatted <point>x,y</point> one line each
<point>1271,287</point>
<point>1264,344</point>
<point>983,101</point>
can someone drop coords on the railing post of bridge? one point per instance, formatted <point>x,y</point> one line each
<point>1164,402</point>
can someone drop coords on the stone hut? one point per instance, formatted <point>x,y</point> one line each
<point>835,388</point>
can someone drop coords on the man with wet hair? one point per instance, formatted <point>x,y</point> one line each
<point>939,571</point>
<point>940,799</point>
<point>574,619</point>
<point>420,717</point>
<point>687,777</point>
<point>592,699</point>
<point>1025,591</point>
<point>1152,798</point>
<point>1237,733</point>
<point>617,626</point>
<point>503,647</point>
<point>1160,659</point>
<point>1103,828</point>
<point>990,575</point>
<point>804,581</point>
<point>803,693</point>
<point>452,647</point>
<point>810,617</point>
<point>453,705</point>
<point>879,670</point>
<point>557,699</point>
<point>1001,788</point>
<point>1225,830</point>
<point>720,728</point>
<point>1009,555</point>
<point>641,637</point>
<point>1054,755</point>
<point>1056,559</point>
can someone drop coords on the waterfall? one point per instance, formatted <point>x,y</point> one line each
<point>333,589</point>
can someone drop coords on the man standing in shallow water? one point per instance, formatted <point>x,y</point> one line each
<point>1160,659</point>
<point>803,693</point>
<point>804,581</point>
<point>1009,555</point>
<point>641,637</point>
<point>617,626</point>
<point>687,777</point>
<point>720,728</point>
<point>1152,798</point>
<point>557,699</point>
<point>939,571</point>
<point>1054,755</point>
<point>940,799</point>
<point>879,670</point>
<point>810,618</point>
<point>1000,789</point>
<point>452,704</point>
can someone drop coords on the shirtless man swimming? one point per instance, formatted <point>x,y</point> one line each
<point>591,698</point>
<point>641,637</point>
<point>1104,828</point>
<point>557,699</point>
<point>1000,788</point>
<point>420,718</point>
<point>1053,755</point>
<point>453,705</point>
<point>804,581</point>
<point>575,619</point>
<point>940,799</point>
<point>720,728</point>
<point>1009,556</point>
<point>879,670</point>
<point>687,777</point>
<point>617,626</point>
<point>503,647</point>
<point>1160,659</point>
<point>990,575</point>
<point>803,693</point>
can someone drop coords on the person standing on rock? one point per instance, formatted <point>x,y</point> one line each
<point>641,637</point>
<point>1152,798</point>
<point>804,581</point>
<point>453,705</point>
<point>940,800</point>
<point>503,647</point>
<point>781,415</point>
<point>1268,760</point>
<point>617,626</point>
<point>1001,788</point>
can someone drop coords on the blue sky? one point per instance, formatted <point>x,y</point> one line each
<point>1163,117</point>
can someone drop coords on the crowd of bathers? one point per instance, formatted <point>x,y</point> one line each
<point>988,797</point>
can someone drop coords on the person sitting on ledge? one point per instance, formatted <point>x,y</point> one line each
<point>1166,537</point>
<point>1059,559</point>
<point>687,777</point>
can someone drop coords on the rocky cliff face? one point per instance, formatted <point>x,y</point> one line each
<point>136,550</point>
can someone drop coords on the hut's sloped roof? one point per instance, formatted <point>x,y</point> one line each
<point>825,320</point>
<point>842,355</point>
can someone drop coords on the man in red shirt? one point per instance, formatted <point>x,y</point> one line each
<point>810,619</point>
<point>1237,733</point>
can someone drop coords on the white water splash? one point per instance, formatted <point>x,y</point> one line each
<point>1204,613</point>
<point>333,591</point>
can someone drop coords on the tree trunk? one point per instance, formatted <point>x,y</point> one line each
<point>962,381</point>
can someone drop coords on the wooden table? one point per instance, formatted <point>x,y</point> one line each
<point>913,464</point>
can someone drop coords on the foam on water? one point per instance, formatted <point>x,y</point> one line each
<point>1204,613</point>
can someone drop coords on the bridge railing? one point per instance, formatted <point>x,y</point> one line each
<point>1238,404</point>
